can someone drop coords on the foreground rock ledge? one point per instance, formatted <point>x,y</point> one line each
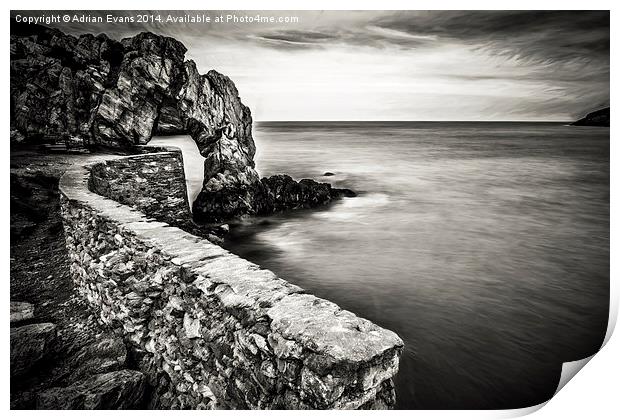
<point>30,344</point>
<point>211,330</point>
<point>123,389</point>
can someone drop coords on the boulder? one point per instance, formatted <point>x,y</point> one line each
<point>21,311</point>
<point>29,345</point>
<point>123,389</point>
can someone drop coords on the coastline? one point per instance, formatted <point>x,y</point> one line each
<point>302,325</point>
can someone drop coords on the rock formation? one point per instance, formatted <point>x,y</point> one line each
<point>598,118</point>
<point>47,375</point>
<point>96,91</point>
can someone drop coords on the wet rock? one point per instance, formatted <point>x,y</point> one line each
<point>21,311</point>
<point>286,193</point>
<point>271,194</point>
<point>122,389</point>
<point>329,174</point>
<point>29,345</point>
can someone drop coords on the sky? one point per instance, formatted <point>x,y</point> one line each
<point>399,65</point>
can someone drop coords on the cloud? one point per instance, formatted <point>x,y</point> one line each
<point>577,36</point>
<point>538,35</point>
<point>513,65</point>
<point>300,37</point>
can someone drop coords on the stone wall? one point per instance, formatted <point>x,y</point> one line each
<point>210,329</point>
<point>153,183</point>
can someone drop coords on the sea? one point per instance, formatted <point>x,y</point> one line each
<point>484,246</point>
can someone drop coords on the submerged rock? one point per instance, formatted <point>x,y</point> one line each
<point>29,345</point>
<point>598,118</point>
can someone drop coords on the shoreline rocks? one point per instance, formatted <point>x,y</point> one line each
<point>271,194</point>
<point>119,390</point>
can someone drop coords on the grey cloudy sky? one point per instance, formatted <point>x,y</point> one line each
<point>404,65</point>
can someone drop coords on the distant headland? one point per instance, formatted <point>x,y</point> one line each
<point>598,118</point>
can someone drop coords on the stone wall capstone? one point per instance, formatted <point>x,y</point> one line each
<point>210,329</point>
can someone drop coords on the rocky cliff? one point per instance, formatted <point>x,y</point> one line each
<point>96,91</point>
<point>598,118</point>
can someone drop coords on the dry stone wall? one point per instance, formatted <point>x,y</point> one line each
<point>210,329</point>
<point>153,183</point>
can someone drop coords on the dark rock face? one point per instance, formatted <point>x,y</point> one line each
<point>151,71</point>
<point>57,81</point>
<point>598,118</point>
<point>286,193</point>
<point>93,90</point>
<point>123,389</point>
